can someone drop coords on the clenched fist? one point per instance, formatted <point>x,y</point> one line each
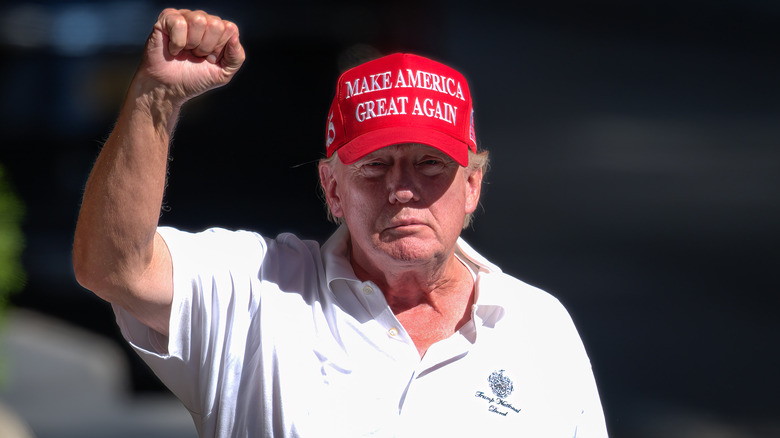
<point>189,53</point>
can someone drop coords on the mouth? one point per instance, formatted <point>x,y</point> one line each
<point>405,224</point>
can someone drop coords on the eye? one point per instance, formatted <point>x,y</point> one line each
<point>374,165</point>
<point>430,161</point>
<point>372,168</point>
<point>432,165</point>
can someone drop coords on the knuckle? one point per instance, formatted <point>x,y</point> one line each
<point>178,22</point>
<point>230,27</point>
<point>166,11</point>
<point>169,14</point>
<point>198,19</point>
<point>215,23</point>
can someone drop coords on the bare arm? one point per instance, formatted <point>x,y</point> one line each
<point>117,252</point>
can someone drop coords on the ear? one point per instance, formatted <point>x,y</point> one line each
<point>329,184</point>
<point>473,189</point>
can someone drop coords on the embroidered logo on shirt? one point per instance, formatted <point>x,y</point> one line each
<point>500,384</point>
<point>502,388</point>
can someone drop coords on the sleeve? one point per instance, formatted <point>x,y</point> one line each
<point>211,307</point>
<point>563,360</point>
<point>577,370</point>
<point>591,422</point>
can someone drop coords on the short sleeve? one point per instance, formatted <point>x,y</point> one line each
<point>212,270</point>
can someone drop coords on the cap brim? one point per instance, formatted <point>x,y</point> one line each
<point>383,137</point>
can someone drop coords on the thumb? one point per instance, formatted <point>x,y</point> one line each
<point>233,56</point>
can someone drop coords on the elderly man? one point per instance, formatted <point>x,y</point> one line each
<point>393,327</point>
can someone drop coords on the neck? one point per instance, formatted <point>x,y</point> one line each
<point>431,304</point>
<point>407,284</point>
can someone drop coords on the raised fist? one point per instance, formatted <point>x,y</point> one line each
<point>189,53</point>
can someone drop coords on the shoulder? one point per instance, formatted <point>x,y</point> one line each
<point>211,237</point>
<point>222,239</point>
<point>519,299</point>
<point>216,248</point>
<point>500,285</point>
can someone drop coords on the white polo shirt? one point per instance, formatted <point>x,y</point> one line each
<point>278,338</point>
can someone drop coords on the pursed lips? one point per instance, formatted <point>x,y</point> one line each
<point>401,223</point>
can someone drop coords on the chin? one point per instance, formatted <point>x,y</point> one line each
<point>410,249</point>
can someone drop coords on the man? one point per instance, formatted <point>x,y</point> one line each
<point>394,327</point>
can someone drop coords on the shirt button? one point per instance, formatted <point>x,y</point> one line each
<point>367,290</point>
<point>393,332</point>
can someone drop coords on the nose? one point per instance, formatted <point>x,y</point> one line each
<point>401,185</point>
<point>401,196</point>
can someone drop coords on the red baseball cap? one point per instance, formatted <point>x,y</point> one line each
<point>401,98</point>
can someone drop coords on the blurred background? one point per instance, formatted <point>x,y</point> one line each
<point>635,176</point>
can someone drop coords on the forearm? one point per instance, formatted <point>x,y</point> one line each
<point>117,253</point>
<point>114,239</point>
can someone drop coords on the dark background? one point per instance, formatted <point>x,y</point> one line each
<point>635,167</point>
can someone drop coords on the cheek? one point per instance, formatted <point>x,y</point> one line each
<point>453,206</point>
<point>358,205</point>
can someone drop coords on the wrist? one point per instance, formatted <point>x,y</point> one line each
<point>159,103</point>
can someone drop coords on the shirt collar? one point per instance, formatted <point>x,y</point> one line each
<point>334,254</point>
<point>488,308</point>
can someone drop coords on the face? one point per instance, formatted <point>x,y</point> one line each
<point>403,204</point>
